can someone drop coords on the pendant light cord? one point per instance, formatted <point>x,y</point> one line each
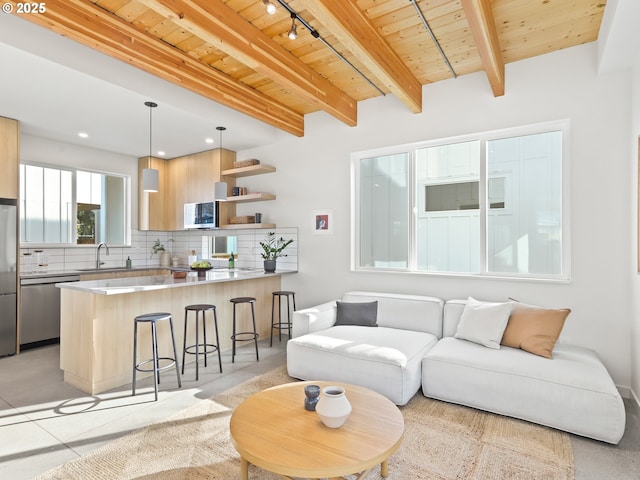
<point>150,130</point>
<point>221,129</point>
<point>151,106</point>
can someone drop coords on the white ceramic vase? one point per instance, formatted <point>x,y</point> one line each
<point>333,407</point>
<point>165,259</point>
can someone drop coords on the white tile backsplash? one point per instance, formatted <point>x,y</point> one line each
<point>179,244</point>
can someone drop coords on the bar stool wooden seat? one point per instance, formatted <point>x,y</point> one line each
<point>200,348</point>
<point>280,325</point>
<point>153,319</point>
<point>243,336</point>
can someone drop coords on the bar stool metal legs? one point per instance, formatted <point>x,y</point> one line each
<point>206,347</point>
<point>280,325</point>
<point>153,319</point>
<point>244,336</point>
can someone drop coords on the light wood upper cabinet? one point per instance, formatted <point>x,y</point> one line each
<point>187,179</point>
<point>9,157</point>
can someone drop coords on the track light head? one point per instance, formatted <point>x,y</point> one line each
<point>269,6</point>
<point>293,32</point>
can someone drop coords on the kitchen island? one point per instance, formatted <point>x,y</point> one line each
<point>96,324</point>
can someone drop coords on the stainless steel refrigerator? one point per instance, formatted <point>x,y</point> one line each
<point>8,275</point>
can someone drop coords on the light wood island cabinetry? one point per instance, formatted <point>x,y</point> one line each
<point>96,328</point>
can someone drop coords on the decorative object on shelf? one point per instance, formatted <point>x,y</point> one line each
<point>238,191</point>
<point>246,163</point>
<point>150,176</point>
<point>257,169</point>
<point>242,219</point>
<point>272,249</point>
<point>312,394</point>
<point>333,407</point>
<point>323,222</point>
<point>257,218</point>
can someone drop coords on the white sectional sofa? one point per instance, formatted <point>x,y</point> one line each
<point>387,359</point>
<point>414,345</point>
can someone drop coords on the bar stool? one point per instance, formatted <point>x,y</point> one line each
<point>206,347</point>
<point>153,319</point>
<point>246,336</point>
<point>280,325</point>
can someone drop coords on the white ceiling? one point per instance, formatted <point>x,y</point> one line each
<point>58,88</point>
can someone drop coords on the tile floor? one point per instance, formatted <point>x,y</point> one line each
<point>45,422</point>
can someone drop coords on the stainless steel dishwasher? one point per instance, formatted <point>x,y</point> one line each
<point>40,309</point>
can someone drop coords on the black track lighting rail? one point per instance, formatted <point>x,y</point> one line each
<point>315,34</point>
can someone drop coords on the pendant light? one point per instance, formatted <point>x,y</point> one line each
<point>150,177</point>
<point>220,188</point>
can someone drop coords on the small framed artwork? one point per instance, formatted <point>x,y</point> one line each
<point>323,222</point>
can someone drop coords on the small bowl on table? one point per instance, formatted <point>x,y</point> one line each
<point>202,271</point>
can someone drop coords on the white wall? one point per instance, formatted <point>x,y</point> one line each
<point>634,282</point>
<point>313,173</point>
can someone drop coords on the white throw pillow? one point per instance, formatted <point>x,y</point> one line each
<point>483,322</point>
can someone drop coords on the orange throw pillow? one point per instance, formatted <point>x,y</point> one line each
<point>535,330</point>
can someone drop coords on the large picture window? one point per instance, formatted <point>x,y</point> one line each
<point>485,204</point>
<point>72,207</point>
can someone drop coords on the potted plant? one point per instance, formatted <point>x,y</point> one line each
<point>272,248</point>
<point>158,247</point>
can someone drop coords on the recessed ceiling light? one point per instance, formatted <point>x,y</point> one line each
<point>83,135</point>
<point>208,140</point>
<point>161,153</point>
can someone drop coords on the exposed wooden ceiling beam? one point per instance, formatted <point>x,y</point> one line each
<point>483,27</point>
<point>219,25</point>
<point>344,20</point>
<point>82,21</point>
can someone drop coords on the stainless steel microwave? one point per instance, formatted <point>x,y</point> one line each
<point>202,215</point>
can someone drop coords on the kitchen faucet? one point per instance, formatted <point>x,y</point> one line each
<point>98,262</point>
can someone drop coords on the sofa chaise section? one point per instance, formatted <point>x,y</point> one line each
<point>572,391</point>
<point>386,358</point>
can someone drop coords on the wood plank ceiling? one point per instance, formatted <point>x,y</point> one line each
<point>234,53</point>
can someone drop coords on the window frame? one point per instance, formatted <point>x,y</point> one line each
<point>410,149</point>
<point>126,213</point>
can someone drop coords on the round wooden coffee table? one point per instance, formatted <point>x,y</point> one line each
<point>273,431</point>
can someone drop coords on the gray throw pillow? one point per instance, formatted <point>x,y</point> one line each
<point>357,313</point>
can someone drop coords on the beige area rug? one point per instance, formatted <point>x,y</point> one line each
<point>442,441</point>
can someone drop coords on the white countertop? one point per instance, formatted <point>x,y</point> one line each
<point>118,286</point>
